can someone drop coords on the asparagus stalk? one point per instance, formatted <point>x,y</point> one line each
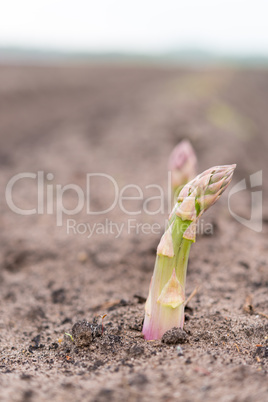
<point>164,308</point>
<point>182,165</point>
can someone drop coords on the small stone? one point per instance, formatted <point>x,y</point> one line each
<point>136,350</point>
<point>174,336</point>
<point>82,256</point>
<point>179,351</point>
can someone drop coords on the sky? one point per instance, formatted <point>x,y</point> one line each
<point>223,26</point>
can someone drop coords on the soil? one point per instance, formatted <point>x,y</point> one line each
<point>123,121</point>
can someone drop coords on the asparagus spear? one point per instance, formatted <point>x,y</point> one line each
<point>182,165</point>
<point>164,308</point>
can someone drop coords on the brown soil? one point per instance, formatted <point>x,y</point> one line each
<point>124,121</point>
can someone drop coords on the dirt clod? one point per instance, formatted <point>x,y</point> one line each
<point>135,350</point>
<point>35,344</point>
<point>139,380</point>
<point>174,336</point>
<point>261,351</point>
<point>104,395</point>
<point>58,296</point>
<point>82,333</point>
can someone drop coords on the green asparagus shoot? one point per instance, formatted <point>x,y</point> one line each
<point>164,308</point>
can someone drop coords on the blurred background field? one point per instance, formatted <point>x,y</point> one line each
<point>173,31</point>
